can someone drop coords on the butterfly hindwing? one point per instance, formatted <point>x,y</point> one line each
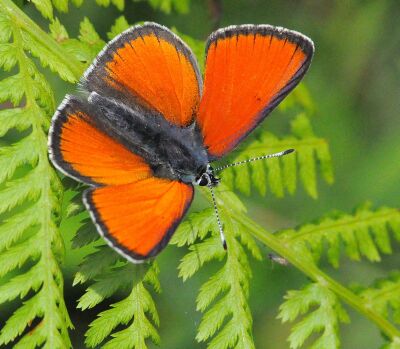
<point>249,70</point>
<point>138,219</point>
<point>149,65</point>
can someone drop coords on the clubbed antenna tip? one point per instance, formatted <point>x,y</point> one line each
<point>288,151</point>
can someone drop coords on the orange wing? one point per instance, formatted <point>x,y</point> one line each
<point>138,219</point>
<point>150,66</point>
<point>80,149</point>
<point>136,212</point>
<point>249,70</point>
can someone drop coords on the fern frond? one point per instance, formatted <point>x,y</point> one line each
<point>227,321</point>
<point>133,311</point>
<point>298,99</point>
<point>166,6</point>
<point>46,7</point>
<point>118,27</point>
<point>103,268</point>
<point>88,44</point>
<point>384,296</point>
<point>108,273</point>
<point>39,44</point>
<point>119,4</point>
<point>89,36</point>
<point>325,319</point>
<point>96,263</point>
<point>363,234</point>
<point>16,155</point>
<point>30,243</point>
<point>14,118</point>
<point>85,234</point>
<point>281,173</point>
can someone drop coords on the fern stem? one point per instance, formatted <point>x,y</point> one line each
<point>312,271</point>
<point>23,21</point>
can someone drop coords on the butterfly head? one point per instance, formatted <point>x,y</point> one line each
<point>207,178</point>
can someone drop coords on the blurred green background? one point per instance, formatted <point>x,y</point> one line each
<point>355,83</point>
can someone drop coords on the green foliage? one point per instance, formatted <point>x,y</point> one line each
<point>46,7</point>
<point>31,248</point>
<point>108,275</point>
<point>30,244</point>
<point>384,296</point>
<point>120,25</point>
<point>136,311</point>
<point>227,320</point>
<point>298,99</point>
<point>280,174</point>
<point>180,6</point>
<point>325,316</point>
<point>363,234</point>
<point>88,44</point>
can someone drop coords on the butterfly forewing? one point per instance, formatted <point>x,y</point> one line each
<point>249,70</point>
<point>150,66</point>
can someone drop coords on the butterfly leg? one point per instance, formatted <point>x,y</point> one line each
<point>221,230</point>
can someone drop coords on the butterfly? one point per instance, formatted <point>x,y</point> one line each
<point>146,129</point>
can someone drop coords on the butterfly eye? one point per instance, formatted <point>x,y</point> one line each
<point>202,180</point>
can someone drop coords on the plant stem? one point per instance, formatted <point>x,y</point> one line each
<point>24,22</point>
<point>312,271</point>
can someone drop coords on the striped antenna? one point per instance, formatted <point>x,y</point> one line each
<point>275,155</point>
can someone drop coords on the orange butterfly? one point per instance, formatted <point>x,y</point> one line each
<point>147,128</point>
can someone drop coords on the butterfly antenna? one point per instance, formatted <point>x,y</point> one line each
<point>221,230</point>
<point>275,155</point>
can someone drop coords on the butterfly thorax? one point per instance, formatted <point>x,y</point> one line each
<point>172,152</point>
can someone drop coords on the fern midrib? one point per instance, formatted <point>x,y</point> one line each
<point>240,311</point>
<point>139,314</point>
<point>44,201</point>
<point>46,236</point>
<point>235,288</point>
<point>349,222</point>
